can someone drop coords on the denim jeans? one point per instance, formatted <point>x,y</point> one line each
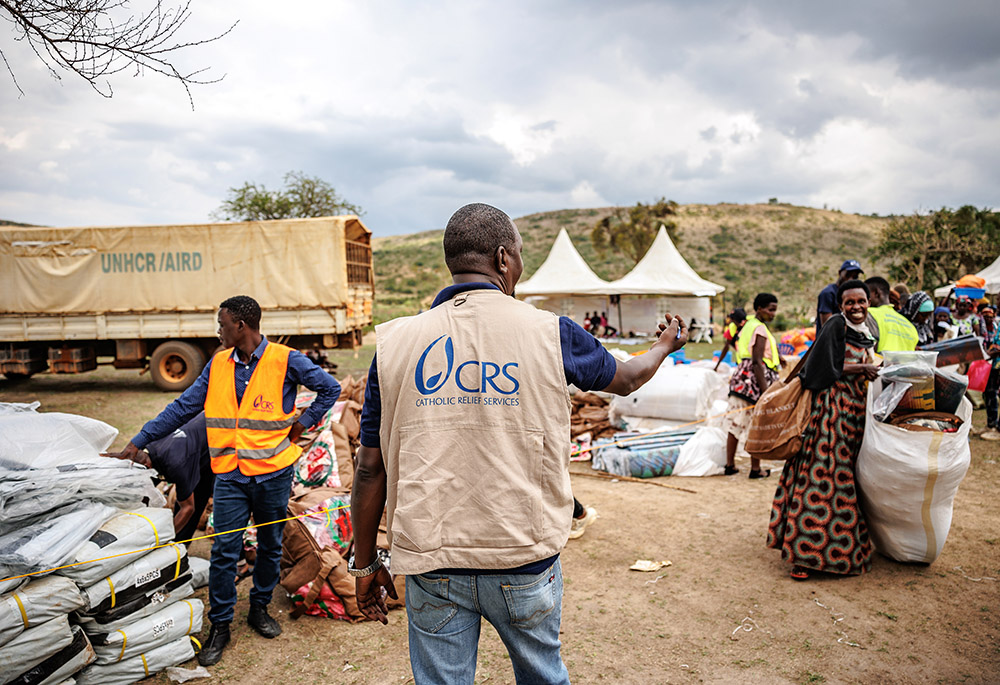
<point>233,504</point>
<point>444,613</point>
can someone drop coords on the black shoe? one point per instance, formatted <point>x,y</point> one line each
<point>261,622</point>
<point>211,651</point>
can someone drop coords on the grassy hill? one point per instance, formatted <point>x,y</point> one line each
<point>790,251</point>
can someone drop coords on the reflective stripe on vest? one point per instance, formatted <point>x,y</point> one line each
<point>743,350</point>
<point>895,332</point>
<point>251,435</point>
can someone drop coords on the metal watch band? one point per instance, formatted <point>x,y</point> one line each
<point>367,570</point>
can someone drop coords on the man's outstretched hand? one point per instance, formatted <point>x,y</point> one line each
<point>672,332</point>
<point>129,453</point>
<point>371,599</point>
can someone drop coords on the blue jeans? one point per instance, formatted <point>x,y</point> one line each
<point>233,504</point>
<point>444,613</point>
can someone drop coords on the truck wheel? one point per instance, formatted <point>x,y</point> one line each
<point>175,365</point>
<point>15,377</point>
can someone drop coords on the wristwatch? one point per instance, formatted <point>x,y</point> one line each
<point>367,570</point>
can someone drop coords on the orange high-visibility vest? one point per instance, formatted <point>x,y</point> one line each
<point>252,434</point>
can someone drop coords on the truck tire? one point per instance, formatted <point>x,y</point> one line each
<point>175,365</point>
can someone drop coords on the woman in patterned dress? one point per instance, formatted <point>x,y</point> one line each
<point>816,520</point>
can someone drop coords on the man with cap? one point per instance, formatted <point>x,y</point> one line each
<point>826,304</point>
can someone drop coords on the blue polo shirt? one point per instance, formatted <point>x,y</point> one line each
<point>301,371</point>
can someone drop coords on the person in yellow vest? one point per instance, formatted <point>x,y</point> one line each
<point>248,394</point>
<point>465,445</point>
<point>731,332</point>
<point>896,333</point>
<point>757,364</point>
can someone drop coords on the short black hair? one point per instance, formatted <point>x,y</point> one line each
<point>473,235</point>
<point>243,308</point>
<point>852,285</point>
<point>880,285</point>
<point>763,299</point>
<point>738,315</point>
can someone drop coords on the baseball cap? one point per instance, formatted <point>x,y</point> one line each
<point>851,265</point>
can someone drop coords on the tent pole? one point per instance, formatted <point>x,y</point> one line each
<point>621,331</point>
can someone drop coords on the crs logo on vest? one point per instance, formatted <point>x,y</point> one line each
<point>470,376</point>
<point>260,403</point>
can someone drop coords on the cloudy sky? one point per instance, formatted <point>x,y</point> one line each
<point>412,109</point>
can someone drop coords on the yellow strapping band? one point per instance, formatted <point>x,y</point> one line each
<point>191,620</point>
<point>124,641</point>
<point>177,569</point>
<point>144,664</point>
<point>24,614</point>
<point>112,586</point>
<point>195,640</point>
<point>156,534</point>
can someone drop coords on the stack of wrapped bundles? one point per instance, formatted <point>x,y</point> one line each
<point>86,535</point>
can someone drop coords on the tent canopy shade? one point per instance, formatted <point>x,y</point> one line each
<point>564,272</point>
<point>990,274</point>
<point>663,271</point>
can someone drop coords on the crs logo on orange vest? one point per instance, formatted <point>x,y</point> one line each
<point>465,377</point>
<point>263,405</point>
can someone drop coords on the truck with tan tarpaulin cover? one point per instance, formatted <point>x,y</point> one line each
<point>148,296</point>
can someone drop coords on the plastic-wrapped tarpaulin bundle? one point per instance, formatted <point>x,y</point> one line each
<point>7,586</point>
<point>58,668</point>
<point>51,439</point>
<point>127,532</point>
<point>40,600</point>
<point>199,571</point>
<point>678,393</point>
<point>173,622</point>
<point>34,492</point>
<point>908,481</point>
<point>140,578</point>
<point>33,646</point>
<point>141,607</point>
<point>52,540</point>
<point>138,667</point>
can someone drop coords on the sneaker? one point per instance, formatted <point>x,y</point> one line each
<point>991,434</point>
<point>218,638</point>
<point>263,623</point>
<point>589,516</point>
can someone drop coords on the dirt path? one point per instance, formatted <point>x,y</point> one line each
<point>724,612</point>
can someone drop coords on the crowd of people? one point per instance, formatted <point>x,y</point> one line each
<point>816,521</point>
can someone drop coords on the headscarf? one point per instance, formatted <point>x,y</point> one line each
<point>825,364</point>
<point>925,333</point>
<point>942,310</point>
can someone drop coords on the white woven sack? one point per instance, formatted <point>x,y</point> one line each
<point>678,393</point>
<point>138,667</point>
<point>159,599</point>
<point>33,646</point>
<point>129,531</point>
<point>908,481</point>
<point>40,600</point>
<point>199,571</point>
<point>151,570</point>
<point>63,664</point>
<point>174,622</point>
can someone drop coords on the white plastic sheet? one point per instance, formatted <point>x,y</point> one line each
<point>40,600</point>
<point>140,577</point>
<point>60,666</point>
<point>908,482</point>
<point>679,393</point>
<point>199,571</point>
<point>136,668</point>
<point>52,541</point>
<point>155,600</point>
<point>171,623</point>
<point>47,440</point>
<point>32,647</point>
<point>129,531</point>
<point>703,455</point>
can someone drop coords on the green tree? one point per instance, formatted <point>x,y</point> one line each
<point>632,231</point>
<point>303,196</point>
<point>926,250</point>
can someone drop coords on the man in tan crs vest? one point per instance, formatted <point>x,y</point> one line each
<point>465,443</point>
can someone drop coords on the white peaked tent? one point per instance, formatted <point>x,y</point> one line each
<point>563,273</point>
<point>990,274</point>
<point>564,284</point>
<point>668,284</point>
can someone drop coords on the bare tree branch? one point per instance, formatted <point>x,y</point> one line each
<point>96,39</point>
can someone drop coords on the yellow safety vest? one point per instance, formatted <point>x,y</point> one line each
<point>743,350</point>
<point>895,332</point>
<point>252,434</point>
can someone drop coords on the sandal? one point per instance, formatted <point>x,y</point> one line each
<point>799,573</point>
<point>760,474</point>
<point>731,470</point>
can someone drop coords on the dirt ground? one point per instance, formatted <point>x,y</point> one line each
<point>725,610</point>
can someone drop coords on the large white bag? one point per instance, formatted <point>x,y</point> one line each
<point>33,646</point>
<point>908,481</point>
<point>704,454</point>
<point>679,393</point>
<point>51,540</point>
<point>57,669</point>
<point>175,621</point>
<point>130,670</point>
<point>146,605</point>
<point>32,440</point>
<point>127,532</point>
<point>141,577</point>
<point>38,601</point>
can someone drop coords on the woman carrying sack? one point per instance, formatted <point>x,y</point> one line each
<point>816,521</point>
<point>757,363</point>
